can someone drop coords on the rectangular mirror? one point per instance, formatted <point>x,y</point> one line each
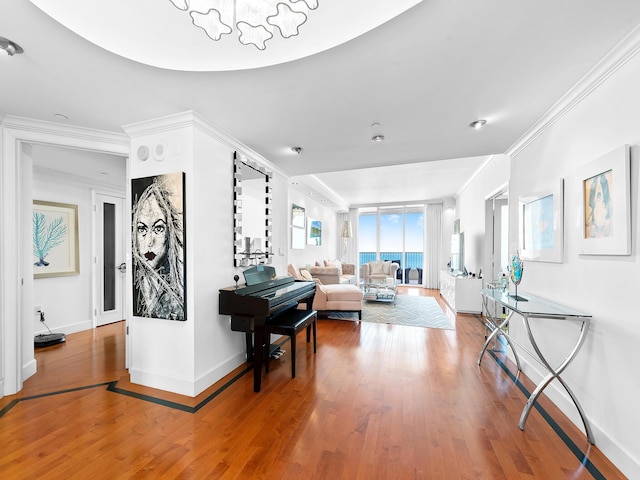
<point>252,226</point>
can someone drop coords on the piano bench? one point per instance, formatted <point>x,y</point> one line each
<point>291,323</point>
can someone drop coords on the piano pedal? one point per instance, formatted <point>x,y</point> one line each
<point>277,353</point>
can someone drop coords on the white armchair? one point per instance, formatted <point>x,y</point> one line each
<point>378,272</point>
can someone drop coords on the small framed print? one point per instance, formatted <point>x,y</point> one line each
<point>541,221</point>
<point>605,197</point>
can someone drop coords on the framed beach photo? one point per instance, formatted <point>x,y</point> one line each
<point>55,239</point>
<point>541,225</point>
<point>314,232</point>
<point>605,197</point>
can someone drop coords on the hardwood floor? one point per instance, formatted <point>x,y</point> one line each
<point>375,402</point>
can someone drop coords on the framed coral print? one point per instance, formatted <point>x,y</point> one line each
<point>55,239</point>
<point>541,225</point>
<point>605,219</point>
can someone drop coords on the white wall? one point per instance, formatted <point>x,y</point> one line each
<point>471,209</point>
<point>187,357</point>
<point>330,240</point>
<point>604,375</point>
<point>66,301</point>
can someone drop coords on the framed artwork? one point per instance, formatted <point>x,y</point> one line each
<point>297,216</point>
<point>158,246</point>
<point>298,238</point>
<point>541,225</point>
<point>298,227</point>
<point>605,198</point>
<point>55,239</point>
<point>314,232</point>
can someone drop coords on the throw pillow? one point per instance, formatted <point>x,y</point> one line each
<point>376,268</point>
<point>306,275</point>
<point>334,264</point>
<point>386,268</point>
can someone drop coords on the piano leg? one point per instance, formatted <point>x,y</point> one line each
<point>249,342</point>
<point>258,354</point>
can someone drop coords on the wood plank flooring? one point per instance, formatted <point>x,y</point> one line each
<point>375,402</point>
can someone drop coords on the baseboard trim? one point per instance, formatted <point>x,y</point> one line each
<point>68,328</point>
<point>207,379</point>
<point>29,369</point>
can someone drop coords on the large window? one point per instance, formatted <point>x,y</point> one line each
<point>395,234</point>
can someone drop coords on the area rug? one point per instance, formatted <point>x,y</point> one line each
<point>412,311</point>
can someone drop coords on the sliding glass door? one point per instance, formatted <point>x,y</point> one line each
<point>396,234</point>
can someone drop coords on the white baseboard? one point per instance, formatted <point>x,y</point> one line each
<point>183,386</point>
<point>29,369</point>
<point>68,328</point>
<point>180,386</point>
<point>216,373</point>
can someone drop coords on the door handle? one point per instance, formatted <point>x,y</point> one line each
<point>122,267</point>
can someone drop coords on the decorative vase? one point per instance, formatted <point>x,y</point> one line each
<point>516,269</point>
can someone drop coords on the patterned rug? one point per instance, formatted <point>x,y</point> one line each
<point>412,311</point>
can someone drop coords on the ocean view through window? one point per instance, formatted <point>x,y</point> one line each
<point>393,234</point>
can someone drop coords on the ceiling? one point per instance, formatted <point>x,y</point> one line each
<point>423,76</point>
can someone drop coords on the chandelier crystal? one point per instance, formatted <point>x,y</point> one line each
<point>255,21</point>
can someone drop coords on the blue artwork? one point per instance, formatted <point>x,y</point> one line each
<point>314,236</point>
<point>538,220</point>
<point>46,236</point>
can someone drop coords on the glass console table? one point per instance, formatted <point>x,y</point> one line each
<point>532,307</point>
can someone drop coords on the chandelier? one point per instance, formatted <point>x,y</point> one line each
<point>256,21</point>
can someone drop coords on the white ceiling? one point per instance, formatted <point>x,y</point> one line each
<point>423,75</point>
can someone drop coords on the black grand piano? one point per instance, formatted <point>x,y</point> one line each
<point>259,300</point>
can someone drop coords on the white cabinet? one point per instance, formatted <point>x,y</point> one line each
<point>461,293</point>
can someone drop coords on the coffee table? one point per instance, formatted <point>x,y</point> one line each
<point>380,292</point>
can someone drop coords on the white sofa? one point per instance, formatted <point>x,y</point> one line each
<point>333,297</point>
<point>334,272</point>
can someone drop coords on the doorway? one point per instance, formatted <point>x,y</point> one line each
<point>497,228</point>
<point>109,260</point>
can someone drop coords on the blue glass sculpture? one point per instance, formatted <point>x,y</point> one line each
<point>515,269</point>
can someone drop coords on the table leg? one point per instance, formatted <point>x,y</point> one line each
<point>555,373</point>
<point>497,330</point>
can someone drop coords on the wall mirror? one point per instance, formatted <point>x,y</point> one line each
<point>252,227</point>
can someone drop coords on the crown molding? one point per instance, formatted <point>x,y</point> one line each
<point>192,119</point>
<point>41,131</point>
<point>35,127</point>
<point>617,57</point>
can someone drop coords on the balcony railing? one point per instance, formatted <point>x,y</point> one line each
<point>412,259</point>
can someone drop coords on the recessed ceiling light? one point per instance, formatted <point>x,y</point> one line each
<point>60,116</point>
<point>378,138</point>
<point>9,47</point>
<point>478,124</point>
<point>296,150</point>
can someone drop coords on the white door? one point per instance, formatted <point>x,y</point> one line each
<point>109,260</point>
